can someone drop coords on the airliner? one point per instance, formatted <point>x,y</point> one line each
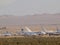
<point>52,32</point>
<point>30,32</point>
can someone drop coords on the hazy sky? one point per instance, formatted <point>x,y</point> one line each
<point>26,7</point>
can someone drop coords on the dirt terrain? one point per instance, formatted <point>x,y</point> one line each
<point>35,28</point>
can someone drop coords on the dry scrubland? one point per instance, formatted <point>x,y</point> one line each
<point>30,41</point>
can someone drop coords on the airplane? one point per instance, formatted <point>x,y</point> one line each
<point>29,32</point>
<point>52,32</point>
<point>6,33</point>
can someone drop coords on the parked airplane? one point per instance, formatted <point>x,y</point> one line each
<point>29,32</point>
<point>52,32</point>
<point>6,33</point>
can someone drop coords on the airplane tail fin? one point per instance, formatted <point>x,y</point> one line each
<point>28,29</point>
<point>43,30</point>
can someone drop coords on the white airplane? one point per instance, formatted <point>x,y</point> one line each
<point>51,32</point>
<point>6,33</point>
<point>30,32</point>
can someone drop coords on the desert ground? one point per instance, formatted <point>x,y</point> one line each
<point>34,28</point>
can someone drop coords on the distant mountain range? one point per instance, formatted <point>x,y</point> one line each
<point>30,19</point>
